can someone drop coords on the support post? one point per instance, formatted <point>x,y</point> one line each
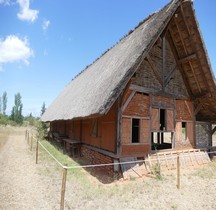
<point>64,178</point>
<point>37,152</point>
<point>31,141</point>
<point>28,137</point>
<point>178,171</point>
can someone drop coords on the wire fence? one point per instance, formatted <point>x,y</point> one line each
<point>32,140</point>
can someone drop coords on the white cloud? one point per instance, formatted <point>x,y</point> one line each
<point>45,24</point>
<point>25,12</point>
<point>13,49</point>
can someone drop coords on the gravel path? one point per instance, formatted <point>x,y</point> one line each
<point>21,186</point>
<point>25,186</point>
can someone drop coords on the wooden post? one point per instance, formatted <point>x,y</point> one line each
<point>31,141</point>
<point>28,137</point>
<point>178,171</point>
<point>64,178</point>
<point>37,152</point>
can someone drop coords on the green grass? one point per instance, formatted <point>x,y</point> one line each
<point>206,172</point>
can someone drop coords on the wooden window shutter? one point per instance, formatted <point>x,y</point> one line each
<point>155,120</point>
<point>170,120</point>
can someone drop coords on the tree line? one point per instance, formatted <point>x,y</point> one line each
<point>16,117</point>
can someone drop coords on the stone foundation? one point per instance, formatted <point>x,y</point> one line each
<point>94,157</point>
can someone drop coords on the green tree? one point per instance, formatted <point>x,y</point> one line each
<point>4,103</point>
<point>16,113</point>
<point>43,108</point>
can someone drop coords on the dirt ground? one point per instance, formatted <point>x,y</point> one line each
<point>25,185</point>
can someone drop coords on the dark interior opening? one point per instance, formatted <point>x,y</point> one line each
<point>162,119</point>
<point>161,140</point>
<point>135,130</point>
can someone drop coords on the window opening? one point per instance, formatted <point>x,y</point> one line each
<point>162,119</point>
<point>161,140</point>
<point>135,130</point>
<point>184,131</point>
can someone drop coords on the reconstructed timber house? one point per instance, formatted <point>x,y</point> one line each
<point>153,90</point>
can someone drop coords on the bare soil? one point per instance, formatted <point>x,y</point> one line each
<point>25,185</point>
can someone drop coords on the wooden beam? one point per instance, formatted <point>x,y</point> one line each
<point>213,131</point>
<point>197,83</point>
<point>141,89</point>
<point>175,53</point>
<point>198,108</point>
<point>128,100</point>
<point>193,45</point>
<point>169,76</point>
<point>186,52</point>
<point>163,62</point>
<point>202,95</point>
<point>188,109</point>
<point>182,40</point>
<point>151,63</point>
<point>187,58</point>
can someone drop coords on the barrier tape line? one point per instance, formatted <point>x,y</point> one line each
<point>51,155</point>
<point>117,163</point>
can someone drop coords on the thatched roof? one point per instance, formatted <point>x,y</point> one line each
<point>96,88</point>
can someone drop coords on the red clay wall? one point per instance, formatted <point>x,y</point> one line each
<point>138,107</point>
<point>184,141</point>
<point>184,113</point>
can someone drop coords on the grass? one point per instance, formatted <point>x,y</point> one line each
<point>4,134</point>
<point>88,187</point>
<point>85,182</point>
<point>206,172</point>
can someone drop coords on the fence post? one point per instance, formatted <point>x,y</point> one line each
<point>178,171</point>
<point>37,152</point>
<point>63,188</point>
<point>28,138</point>
<point>26,135</point>
<point>31,141</point>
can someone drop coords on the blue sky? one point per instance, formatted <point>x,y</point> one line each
<point>45,43</point>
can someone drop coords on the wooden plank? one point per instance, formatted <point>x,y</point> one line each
<point>198,108</point>
<point>170,39</point>
<point>213,131</point>
<point>128,100</point>
<point>187,58</point>
<point>193,46</point>
<point>163,62</point>
<point>167,165</point>
<point>191,159</point>
<point>141,89</point>
<point>183,159</point>
<point>188,109</point>
<point>130,170</point>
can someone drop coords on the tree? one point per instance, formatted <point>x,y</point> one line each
<point>43,108</point>
<point>16,113</point>
<point>4,103</point>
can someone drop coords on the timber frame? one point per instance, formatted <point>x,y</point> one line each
<point>153,90</point>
